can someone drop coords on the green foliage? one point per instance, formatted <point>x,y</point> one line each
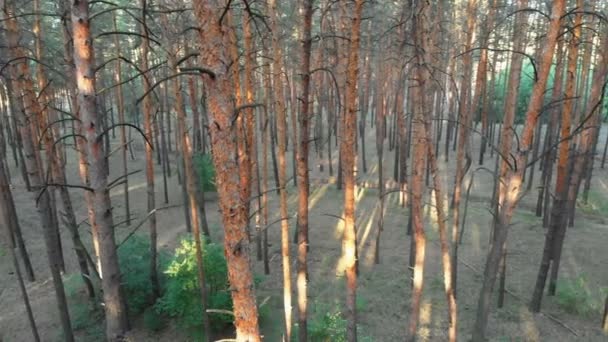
<point>597,203</point>
<point>182,297</point>
<point>525,89</point>
<point>328,324</point>
<point>203,164</point>
<point>85,317</point>
<point>575,297</point>
<point>134,261</point>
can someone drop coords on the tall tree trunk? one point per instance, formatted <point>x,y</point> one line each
<point>149,132</point>
<point>282,134</point>
<point>24,85</point>
<point>80,142</point>
<point>16,105</point>
<point>189,176</point>
<point>419,35</point>
<point>347,153</point>
<point>115,305</point>
<point>559,216</point>
<point>509,195</point>
<point>303,181</point>
<point>214,39</point>
<point>481,78</point>
<point>5,218</point>
<point>465,121</point>
<point>121,119</point>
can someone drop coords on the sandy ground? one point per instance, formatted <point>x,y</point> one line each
<point>384,292</point>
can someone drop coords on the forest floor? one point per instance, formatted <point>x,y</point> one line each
<point>383,289</point>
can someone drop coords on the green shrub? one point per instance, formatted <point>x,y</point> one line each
<point>182,297</point>
<point>203,164</point>
<point>328,325</point>
<point>134,261</point>
<point>575,298</point>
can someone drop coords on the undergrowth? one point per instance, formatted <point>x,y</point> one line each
<point>203,164</point>
<point>180,292</point>
<point>327,323</point>
<point>575,297</point>
<point>597,204</point>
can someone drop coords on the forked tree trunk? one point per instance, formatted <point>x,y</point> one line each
<point>115,304</point>
<point>509,195</point>
<point>214,42</point>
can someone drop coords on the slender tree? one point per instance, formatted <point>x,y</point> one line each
<point>117,322</point>
<point>306,12</point>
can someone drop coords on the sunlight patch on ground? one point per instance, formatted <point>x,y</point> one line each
<point>529,328</point>
<point>359,193</point>
<point>316,195</point>
<point>339,228</point>
<point>426,312</point>
<point>165,239</point>
<point>603,184</point>
<point>475,236</point>
<point>120,191</point>
<point>369,252</point>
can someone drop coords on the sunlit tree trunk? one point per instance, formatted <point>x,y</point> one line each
<point>282,133</point>
<point>80,142</point>
<point>559,216</point>
<point>115,305</point>
<point>347,153</point>
<point>214,40</point>
<point>510,195</point>
<point>419,35</point>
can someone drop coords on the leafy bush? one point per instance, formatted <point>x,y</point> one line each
<point>203,164</point>
<point>134,261</point>
<point>329,325</point>
<point>182,297</point>
<point>575,298</point>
